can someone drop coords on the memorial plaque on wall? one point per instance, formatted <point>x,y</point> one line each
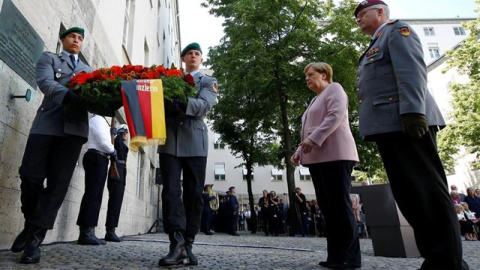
<point>20,45</point>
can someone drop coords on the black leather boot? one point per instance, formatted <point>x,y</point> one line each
<point>177,253</point>
<point>19,243</point>
<point>35,237</point>
<point>111,235</point>
<point>87,237</point>
<point>188,248</point>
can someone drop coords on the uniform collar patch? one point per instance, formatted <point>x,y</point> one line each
<point>404,31</point>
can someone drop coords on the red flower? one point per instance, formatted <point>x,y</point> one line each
<point>189,79</point>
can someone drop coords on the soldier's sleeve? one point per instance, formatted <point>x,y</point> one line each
<point>206,99</point>
<point>45,77</point>
<point>410,70</point>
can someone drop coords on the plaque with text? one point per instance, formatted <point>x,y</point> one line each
<point>20,45</point>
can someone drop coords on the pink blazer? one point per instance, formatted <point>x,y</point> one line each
<point>325,122</point>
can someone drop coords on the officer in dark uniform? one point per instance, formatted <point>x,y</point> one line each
<point>59,130</point>
<point>232,212</point>
<point>116,186</point>
<point>207,212</point>
<point>398,113</point>
<point>185,153</point>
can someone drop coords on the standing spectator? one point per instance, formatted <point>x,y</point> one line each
<point>473,202</point>
<point>302,212</point>
<point>185,154</point>
<point>95,163</point>
<point>398,113</point>
<point>263,203</point>
<point>116,186</point>
<point>207,212</point>
<point>328,149</point>
<point>233,212</point>
<point>59,130</point>
<point>274,217</point>
<point>248,219</point>
<point>477,192</point>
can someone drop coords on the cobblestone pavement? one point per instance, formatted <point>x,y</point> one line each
<point>220,251</point>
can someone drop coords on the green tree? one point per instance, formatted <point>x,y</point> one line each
<point>465,127</point>
<point>259,64</point>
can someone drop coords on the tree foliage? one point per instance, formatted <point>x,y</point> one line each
<point>465,127</point>
<point>260,63</point>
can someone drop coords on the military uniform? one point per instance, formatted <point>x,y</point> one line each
<point>392,83</point>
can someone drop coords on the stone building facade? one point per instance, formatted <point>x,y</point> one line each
<point>117,32</point>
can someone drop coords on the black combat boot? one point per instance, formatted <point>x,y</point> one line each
<point>87,237</point>
<point>177,253</point>
<point>188,248</point>
<point>19,243</point>
<point>111,235</point>
<point>35,237</point>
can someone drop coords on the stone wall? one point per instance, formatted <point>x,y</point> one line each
<point>102,47</point>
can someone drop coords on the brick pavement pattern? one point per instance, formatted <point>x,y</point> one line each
<point>220,251</point>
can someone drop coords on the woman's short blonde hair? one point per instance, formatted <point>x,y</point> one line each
<point>321,67</point>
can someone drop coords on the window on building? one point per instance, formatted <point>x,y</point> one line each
<point>140,174</point>
<point>128,24</point>
<point>433,50</point>
<point>219,171</point>
<point>244,173</point>
<point>304,174</point>
<point>429,31</point>
<point>217,142</point>
<point>277,175</point>
<point>459,31</point>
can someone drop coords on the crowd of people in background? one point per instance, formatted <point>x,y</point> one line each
<point>467,207</point>
<point>273,216</point>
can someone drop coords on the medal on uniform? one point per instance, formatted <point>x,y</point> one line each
<point>58,74</point>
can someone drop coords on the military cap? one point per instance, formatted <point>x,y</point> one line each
<point>73,29</point>
<point>367,3</point>
<point>191,46</point>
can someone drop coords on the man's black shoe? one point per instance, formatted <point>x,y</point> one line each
<point>111,236</point>
<point>32,252</point>
<point>234,234</point>
<point>209,233</point>
<point>87,237</point>
<point>19,243</point>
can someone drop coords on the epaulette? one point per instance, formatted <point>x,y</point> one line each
<point>57,54</point>
<point>392,22</point>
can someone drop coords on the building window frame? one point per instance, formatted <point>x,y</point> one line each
<point>219,171</point>
<point>429,31</point>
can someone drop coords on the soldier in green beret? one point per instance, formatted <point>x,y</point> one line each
<point>59,130</point>
<point>186,150</point>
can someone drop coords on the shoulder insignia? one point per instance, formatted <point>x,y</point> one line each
<point>392,22</point>
<point>215,86</point>
<point>404,31</point>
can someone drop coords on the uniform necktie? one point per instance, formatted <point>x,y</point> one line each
<point>74,62</point>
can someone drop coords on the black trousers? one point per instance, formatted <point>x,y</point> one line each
<point>182,211</point>
<point>52,158</point>
<point>116,190</point>
<point>419,185</point>
<point>332,181</point>
<point>96,166</point>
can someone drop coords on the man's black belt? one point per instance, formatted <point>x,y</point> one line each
<point>97,152</point>
<point>122,161</point>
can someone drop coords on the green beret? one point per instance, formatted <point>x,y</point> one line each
<point>73,29</point>
<point>191,46</point>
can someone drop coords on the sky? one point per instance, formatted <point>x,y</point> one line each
<point>197,25</point>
